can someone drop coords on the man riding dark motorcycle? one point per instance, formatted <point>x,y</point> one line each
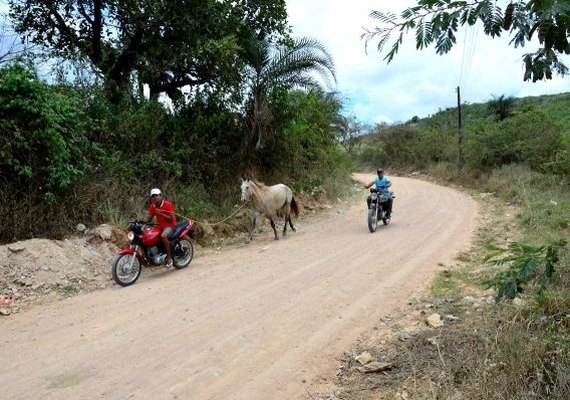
<point>382,183</point>
<point>166,220</point>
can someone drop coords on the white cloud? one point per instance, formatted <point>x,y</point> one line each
<point>415,82</point>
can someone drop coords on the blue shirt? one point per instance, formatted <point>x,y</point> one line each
<point>382,184</point>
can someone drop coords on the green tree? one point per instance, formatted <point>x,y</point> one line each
<point>43,143</point>
<point>436,22</point>
<point>168,44</point>
<point>306,148</point>
<point>280,66</point>
<point>349,130</point>
<point>530,138</point>
<point>501,107</point>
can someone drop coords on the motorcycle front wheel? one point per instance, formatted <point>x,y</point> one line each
<point>126,269</point>
<point>183,253</point>
<point>372,221</point>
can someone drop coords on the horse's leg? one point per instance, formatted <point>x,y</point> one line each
<point>285,224</point>
<point>274,229</point>
<point>255,216</point>
<point>288,219</point>
<point>291,224</point>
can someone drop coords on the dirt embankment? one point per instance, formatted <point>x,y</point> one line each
<point>40,271</point>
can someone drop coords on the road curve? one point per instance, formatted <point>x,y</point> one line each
<point>260,321</point>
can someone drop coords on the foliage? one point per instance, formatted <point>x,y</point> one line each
<point>396,144</point>
<point>530,138</point>
<point>501,107</point>
<point>102,157</point>
<point>272,67</point>
<point>436,22</point>
<point>307,145</point>
<point>525,264</point>
<point>349,130</point>
<point>166,44</point>
<point>43,144</point>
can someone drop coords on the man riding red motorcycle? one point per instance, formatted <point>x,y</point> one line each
<point>166,220</point>
<point>154,244</point>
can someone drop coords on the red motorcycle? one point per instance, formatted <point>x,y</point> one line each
<point>147,249</point>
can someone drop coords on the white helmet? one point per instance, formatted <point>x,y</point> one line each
<point>154,191</point>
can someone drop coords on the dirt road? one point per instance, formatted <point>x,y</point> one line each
<point>261,321</point>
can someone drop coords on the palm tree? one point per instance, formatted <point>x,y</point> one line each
<point>501,107</point>
<point>287,66</point>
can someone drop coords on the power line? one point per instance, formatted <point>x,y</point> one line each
<point>469,47</point>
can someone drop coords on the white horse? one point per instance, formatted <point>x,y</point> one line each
<point>270,202</point>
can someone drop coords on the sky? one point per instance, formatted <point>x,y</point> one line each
<point>415,83</point>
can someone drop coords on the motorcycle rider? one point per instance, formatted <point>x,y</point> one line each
<point>166,220</point>
<point>382,183</point>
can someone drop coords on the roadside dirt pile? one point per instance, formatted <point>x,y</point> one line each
<point>38,271</point>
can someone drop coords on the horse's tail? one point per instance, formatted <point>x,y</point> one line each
<point>294,206</point>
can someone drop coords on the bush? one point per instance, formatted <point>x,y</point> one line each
<point>43,147</point>
<point>434,146</point>
<point>528,138</point>
<point>398,145</point>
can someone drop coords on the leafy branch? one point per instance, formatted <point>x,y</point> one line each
<point>436,22</point>
<point>525,264</point>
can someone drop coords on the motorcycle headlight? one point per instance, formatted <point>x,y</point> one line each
<point>131,236</point>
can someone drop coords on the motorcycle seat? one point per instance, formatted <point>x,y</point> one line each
<point>178,229</point>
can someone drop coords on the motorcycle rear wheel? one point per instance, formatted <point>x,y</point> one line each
<point>122,273</point>
<point>187,249</point>
<point>372,221</point>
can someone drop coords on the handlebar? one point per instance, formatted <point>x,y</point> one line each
<point>141,222</point>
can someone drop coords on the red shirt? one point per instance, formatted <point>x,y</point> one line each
<point>166,208</point>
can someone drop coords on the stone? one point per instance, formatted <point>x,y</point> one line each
<point>16,248</point>
<point>443,300</point>
<point>403,336</point>
<point>5,311</point>
<point>375,366</point>
<point>104,231</point>
<point>517,301</point>
<point>470,300</point>
<point>364,358</point>
<point>80,228</point>
<point>434,321</point>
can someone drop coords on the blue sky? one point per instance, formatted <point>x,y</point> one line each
<point>415,82</point>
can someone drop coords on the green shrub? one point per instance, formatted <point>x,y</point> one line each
<point>398,145</point>
<point>525,264</point>
<point>530,138</point>
<point>434,146</point>
<point>43,146</point>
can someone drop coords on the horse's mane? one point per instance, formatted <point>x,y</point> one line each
<point>257,183</point>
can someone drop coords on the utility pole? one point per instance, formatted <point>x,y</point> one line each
<point>460,159</point>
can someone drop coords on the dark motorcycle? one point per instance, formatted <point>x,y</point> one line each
<point>147,249</point>
<point>377,209</point>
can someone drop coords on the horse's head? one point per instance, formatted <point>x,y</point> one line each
<point>245,189</point>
